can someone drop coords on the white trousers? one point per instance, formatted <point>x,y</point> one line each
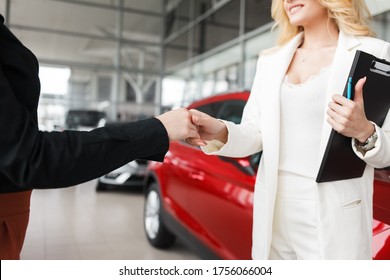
<point>295,231</point>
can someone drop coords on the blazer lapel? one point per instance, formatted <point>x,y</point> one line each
<point>275,68</point>
<point>338,77</point>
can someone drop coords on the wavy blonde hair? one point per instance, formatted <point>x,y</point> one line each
<point>351,16</point>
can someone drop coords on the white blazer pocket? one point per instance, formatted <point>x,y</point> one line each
<point>352,203</point>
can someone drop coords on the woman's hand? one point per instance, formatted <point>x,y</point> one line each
<point>348,117</point>
<point>208,128</point>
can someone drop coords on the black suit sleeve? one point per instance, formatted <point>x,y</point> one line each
<point>30,158</point>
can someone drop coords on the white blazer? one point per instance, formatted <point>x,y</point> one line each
<point>344,207</point>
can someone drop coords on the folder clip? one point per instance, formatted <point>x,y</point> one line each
<point>380,68</point>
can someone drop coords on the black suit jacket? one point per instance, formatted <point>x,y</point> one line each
<point>30,158</point>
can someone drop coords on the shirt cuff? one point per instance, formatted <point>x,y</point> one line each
<point>212,146</point>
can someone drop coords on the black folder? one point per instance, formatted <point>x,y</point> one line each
<point>339,161</point>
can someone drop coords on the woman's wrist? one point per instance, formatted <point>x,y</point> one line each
<point>223,133</point>
<point>366,133</point>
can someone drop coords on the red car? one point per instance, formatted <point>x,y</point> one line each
<point>208,200</point>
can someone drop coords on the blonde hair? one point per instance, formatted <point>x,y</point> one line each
<point>351,16</point>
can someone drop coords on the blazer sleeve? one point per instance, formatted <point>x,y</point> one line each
<point>379,157</point>
<point>30,158</point>
<point>248,131</point>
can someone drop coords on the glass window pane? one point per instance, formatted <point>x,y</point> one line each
<point>177,16</point>
<point>219,28</point>
<point>177,51</point>
<point>257,14</point>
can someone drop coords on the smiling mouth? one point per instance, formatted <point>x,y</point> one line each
<point>293,9</point>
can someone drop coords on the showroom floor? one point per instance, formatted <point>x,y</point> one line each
<point>79,223</point>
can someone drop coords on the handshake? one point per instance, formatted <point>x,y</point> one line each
<point>193,126</point>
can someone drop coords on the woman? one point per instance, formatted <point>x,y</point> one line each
<point>289,115</point>
<point>31,159</point>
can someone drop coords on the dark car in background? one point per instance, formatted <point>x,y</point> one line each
<point>85,119</point>
<point>208,200</point>
<point>130,175</point>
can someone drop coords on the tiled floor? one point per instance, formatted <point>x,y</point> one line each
<point>79,223</point>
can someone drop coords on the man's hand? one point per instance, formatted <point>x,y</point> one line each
<point>178,124</point>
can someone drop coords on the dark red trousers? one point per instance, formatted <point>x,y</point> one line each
<point>14,216</point>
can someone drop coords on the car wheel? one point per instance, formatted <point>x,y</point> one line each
<point>156,232</point>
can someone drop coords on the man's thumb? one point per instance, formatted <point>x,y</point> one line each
<point>195,119</point>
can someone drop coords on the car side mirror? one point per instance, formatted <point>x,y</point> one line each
<point>247,165</point>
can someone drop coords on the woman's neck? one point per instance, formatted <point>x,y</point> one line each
<point>320,36</point>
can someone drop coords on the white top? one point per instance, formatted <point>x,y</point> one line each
<point>302,116</point>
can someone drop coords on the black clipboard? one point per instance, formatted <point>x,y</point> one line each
<point>339,161</point>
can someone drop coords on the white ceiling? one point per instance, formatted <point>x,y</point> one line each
<point>82,32</point>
